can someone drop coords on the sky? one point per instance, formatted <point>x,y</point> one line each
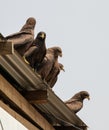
<point>81,29</point>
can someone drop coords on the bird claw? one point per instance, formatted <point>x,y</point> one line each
<point>26,60</point>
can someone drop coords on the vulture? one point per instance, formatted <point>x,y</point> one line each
<point>23,39</point>
<point>76,102</point>
<point>36,53</point>
<point>52,77</point>
<point>49,61</point>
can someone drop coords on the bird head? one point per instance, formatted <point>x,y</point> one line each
<point>58,51</point>
<point>31,21</point>
<point>41,35</point>
<point>81,95</point>
<point>61,67</point>
<point>85,95</point>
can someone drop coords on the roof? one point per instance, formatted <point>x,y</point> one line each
<point>23,78</point>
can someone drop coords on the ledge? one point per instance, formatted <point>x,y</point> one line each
<point>51,106</point>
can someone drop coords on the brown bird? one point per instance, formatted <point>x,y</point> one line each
<point>49,61</point>
<point>36,53</point>
<point>23,39</point>
<point>52,77</point>
<point>76,102</point>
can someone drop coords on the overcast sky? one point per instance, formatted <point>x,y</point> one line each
<point>81,29</point>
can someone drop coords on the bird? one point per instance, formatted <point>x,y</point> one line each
<point>52,77</point>
<point>23,39</point>
<point>48,62</point>
<point>76,102</point>
<point>36,53</point>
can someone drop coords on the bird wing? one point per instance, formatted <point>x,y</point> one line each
<point>20,38</point>
<point>30,51</point>
<point>16,35</point>
<point>70,100</point>
<point>75,106</point>
<point>53,75</point>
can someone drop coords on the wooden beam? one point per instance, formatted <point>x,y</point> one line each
<point>6,47</point>
<point>22,105</point>
<point>18,117</point>
<point>37,96</point>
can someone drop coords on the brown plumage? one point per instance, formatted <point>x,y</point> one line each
<point>76,102</point>
<point>49,61</point>
<point>24,38</point>
<point>36,53</point>
<point>52,77</point>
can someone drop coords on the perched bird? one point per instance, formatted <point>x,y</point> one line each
<point>49,61</point>
<point>76,102</point>
<point>23,39</point>
<point>52,77</point>
<point>36,53</point>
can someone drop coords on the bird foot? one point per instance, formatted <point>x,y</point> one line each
<point>25,60</point>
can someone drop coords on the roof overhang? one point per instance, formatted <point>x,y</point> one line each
<point>54,108</point>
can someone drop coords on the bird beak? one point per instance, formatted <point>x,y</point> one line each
<point>63,69</point>
<point>42,36</point>
<point>88,98</point>
<point>60,54</point>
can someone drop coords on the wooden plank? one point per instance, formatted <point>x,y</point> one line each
<point>6,47</point>
<point>36,96</point>
<point>18,117</point>
<point>21,72</point>
<point>15,97</point>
